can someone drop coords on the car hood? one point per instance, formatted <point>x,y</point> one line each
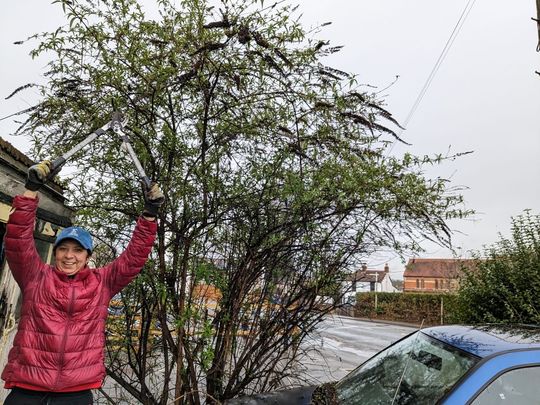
<point>293,396</point>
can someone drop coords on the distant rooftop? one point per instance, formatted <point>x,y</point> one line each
<point>366,275</point>
<point>437,268</point>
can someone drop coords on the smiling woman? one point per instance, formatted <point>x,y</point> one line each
<point>72,250</point>
<point>70,257</point>
<point>57,355</point>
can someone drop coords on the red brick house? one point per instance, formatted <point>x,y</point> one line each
<point>434,275</point>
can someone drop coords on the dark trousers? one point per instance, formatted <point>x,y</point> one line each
<point>19,396</point>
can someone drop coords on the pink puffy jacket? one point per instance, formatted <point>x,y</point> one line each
<point>59,345</point>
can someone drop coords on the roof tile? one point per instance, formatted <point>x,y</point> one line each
<point>437,268</point>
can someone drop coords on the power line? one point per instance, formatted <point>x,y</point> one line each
<point>457,28</point>
<point>17,113</point>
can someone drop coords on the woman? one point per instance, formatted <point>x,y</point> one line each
<point>58,351</point>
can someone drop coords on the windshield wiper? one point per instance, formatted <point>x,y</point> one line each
<point>406,364</point>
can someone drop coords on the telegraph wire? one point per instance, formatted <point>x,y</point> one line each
<point>17,113</point>
<point>457,28</point>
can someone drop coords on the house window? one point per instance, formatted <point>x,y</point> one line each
<point>44,248</point>
<point>422,285</point>
<point>372,286</point>
<point>417,283</point>
<point>436,284</point>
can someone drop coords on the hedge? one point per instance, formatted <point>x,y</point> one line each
<point>408,307</point>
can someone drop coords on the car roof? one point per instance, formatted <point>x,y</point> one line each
<point>485,340</point>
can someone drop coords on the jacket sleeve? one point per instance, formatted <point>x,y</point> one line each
<point>19,244</point>
<point>129,264</point>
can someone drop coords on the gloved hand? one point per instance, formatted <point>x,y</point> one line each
<point>153,200</point>
<point>37,175</point>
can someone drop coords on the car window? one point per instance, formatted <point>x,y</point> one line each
<point>516,387</point>
<point>416,370</point>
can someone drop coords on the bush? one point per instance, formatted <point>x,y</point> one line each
<point>407,307</point>
<point>506,286</point>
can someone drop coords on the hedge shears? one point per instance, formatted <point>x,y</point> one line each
<point>116,125</point>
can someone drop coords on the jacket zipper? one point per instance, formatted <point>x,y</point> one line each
<point>64,339</point>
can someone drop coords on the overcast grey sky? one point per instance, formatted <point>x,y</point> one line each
<point>485,97</point>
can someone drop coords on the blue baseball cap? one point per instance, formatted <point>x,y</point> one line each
<point>76,233</point>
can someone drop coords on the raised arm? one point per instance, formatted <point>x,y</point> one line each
<point>20,247</point>
<point>128,265</point>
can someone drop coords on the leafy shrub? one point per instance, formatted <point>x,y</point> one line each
<point>506,286</point>
<point>407,307</point>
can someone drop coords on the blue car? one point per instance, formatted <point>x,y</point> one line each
<point>450,365</point>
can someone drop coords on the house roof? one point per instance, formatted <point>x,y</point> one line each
<point>437,268</point>
<point>23,162</point>
<point>368,276</point>
<point>15,153</point>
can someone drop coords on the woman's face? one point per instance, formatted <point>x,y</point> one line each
<point>70,257</point>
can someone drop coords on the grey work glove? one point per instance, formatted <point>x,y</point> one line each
<point>37,175</point>
<point>153,200</point>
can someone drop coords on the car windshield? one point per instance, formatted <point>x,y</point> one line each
<point>416,370</point>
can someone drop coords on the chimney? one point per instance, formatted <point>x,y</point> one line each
<point>386,268</point>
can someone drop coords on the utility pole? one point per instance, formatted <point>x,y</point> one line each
<point>376,282</point>
<point>442,310</point>
<point>537,19</point>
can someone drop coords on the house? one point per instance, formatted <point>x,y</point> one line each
<point>434,275</point>
<point>365,280</point>
<point>52,216</point>
<point>206,296</point>
<point>398,284</point>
